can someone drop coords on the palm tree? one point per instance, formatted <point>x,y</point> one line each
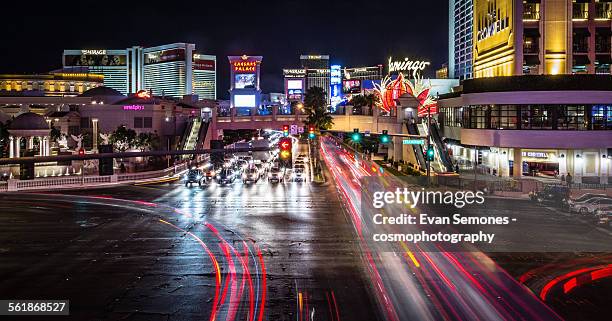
<point>315,106</point>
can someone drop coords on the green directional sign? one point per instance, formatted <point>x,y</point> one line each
<point>413,141</point>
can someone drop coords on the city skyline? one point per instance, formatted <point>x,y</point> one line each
<point>338,31</point>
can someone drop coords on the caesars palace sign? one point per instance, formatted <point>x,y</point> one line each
<point>412,66</point>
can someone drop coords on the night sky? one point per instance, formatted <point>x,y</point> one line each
<point>354,33</point>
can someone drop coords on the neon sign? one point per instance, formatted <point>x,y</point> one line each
<point>245,66</point>
<point>407,65</point>
<point>93,52</point>
<point>143,94</point>
<point>389,91</point>
<point>133,107</point>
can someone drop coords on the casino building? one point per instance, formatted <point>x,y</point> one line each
<point>171,70</point>
<point>540,102</point>
<point>51,84</point>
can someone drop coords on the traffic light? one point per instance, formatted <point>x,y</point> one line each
<point>285,156</point>
<point>285,130</point>
<point>311,132</point>
<point>384,137</point>
<point>430,153</point>
<point>356,136</point>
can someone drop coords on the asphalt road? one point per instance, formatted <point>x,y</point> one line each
<point>432,281</point>
<point>167,252</point>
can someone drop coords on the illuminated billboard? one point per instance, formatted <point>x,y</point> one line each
<point>351,86</point>
<point>159,56</point>
<point>202,63</point>
<point>95,60</point>
<point>243,81</point>
<point>295,84</point>
<point>244,101</point>
<point>335,82</point>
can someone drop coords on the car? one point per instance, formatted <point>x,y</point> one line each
<point>299,162</point>
<point>250,175</point>
<point>299,166</point>
<point>225,176</point>
<point>591,205</point>
<point>585,197</point>
<point>298,175</point>
<point>276,175</point>
<point>194,175</point>
<point>551,194</point>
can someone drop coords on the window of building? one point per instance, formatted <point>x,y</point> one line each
<point>531,10</point>
<point>580,9</point>
<point>601,116</point>
<point>603,10</point>
<point>147,122</point>
<point>571,118</point>
<point>137,122</point>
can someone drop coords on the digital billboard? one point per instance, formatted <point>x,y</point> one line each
<point>244,101</point>
<point>242,81</point>
<point>295,84</point>
<point>164,56</point>
<point>294,94</point>
<point>203,63</point>
<point>95,60</point>
<point>335,85</point>
<point>351,86</point>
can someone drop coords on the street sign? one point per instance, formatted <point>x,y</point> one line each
<point>366,133</point>
<point>413,142</point>
<point>300,129</point>
<point>294,129</point>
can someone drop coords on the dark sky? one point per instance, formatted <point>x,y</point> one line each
<point>354,33</point>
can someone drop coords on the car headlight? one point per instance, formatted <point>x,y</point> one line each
<point>199,177</point>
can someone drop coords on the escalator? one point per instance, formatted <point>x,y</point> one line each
<point>191,136</point>
<point>418,149</point>
<point>441,147</point>
<point>442,161</point>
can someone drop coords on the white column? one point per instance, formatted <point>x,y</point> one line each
<point>41,146</point>
<point>11,147</point>
<point>47,146</point>
<point>18,147</point>
<point>95,134</point>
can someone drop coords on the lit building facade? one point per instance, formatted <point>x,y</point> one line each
<point>540,101</point>
<point>514,37</point>
<point>318,72</point>
<point>52,84</point>
<point>532,125</point>
<point>460,39</point>
<point>172,70</point>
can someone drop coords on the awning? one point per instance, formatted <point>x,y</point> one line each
<point>581,60</point>
<point>603,59</point>
<point>531,60</point>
